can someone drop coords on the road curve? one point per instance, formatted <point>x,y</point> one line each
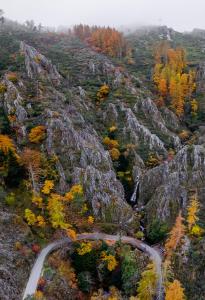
<point>38,265</point>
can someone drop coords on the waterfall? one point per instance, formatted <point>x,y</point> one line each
<point>134,195</point>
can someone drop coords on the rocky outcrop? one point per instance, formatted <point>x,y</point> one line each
<point>154,117</point>
<point>140,133</point>
<point>13,104</point>
<point>80,151</point>
<point>164,189</point>
<point>38,65</point>
<point>171,120</point>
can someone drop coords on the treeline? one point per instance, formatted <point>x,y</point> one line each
<point>103,39</point>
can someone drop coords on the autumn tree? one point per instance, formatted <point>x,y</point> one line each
<point>30,217</point>
<point>6,144</point>
<point>110,143</point>
<point>175,236</point>
<point>174,85</point>
<point>37,134</point>
<point>194,107</point>
<point>148,283</point>
<point>109,41</point>
<point>103,92</point>
<point>110,260</point>
<point>32,161</point>
<point>193,210</point>
<point>56,212</point>
<point>84,248</point>
<point>47,187</point>
<point>192,217</point>
<point>175,291</point>
<point>114,153</point>
<point>104,39</point>
<point>11,169</point>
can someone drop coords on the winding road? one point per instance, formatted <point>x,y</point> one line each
<point>38,266</point>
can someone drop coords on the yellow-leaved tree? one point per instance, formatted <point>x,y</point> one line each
<point>193,210</point>
<point>110,260</point>
<point>148,283</point>
<point>47,187</point>
<point>192,217</point>
<point>84,248</point>
<point>103,92</point>
<point>174,85</point>
<point>56,211</point>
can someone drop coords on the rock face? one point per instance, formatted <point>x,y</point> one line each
<point>140,132</point>
<point>80,150</point>
<point>164,189</point>
<point>13,104</point>
<point>74,140</point>
<point>154,117</point>
<point>38,65</point>
<point>14,266</point>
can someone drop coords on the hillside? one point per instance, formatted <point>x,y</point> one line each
<point>85,147</point>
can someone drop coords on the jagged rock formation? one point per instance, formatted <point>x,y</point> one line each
<point>38,65</point>
<point>76,143</point>
<point>154,117</point>
<point>164,189</point>
<point>13,104</point>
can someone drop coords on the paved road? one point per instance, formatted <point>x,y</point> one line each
<point>38,266</point>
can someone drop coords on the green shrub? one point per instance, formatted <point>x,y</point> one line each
<point>139,235</point>
<point>157,231</point>
<point>129,272</point>
<point>10,199</point>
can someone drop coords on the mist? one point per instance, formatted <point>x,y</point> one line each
<point>182,15</point>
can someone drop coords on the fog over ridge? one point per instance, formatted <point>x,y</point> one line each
<point>181,15</point>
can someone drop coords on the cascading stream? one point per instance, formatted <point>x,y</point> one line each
<point>133,199</point>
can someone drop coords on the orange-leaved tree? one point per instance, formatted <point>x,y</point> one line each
<point>175,291</point>
<point>175,236</point>
<point>6,144</point>
<point>37,134</point>
<point>103,39</point>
